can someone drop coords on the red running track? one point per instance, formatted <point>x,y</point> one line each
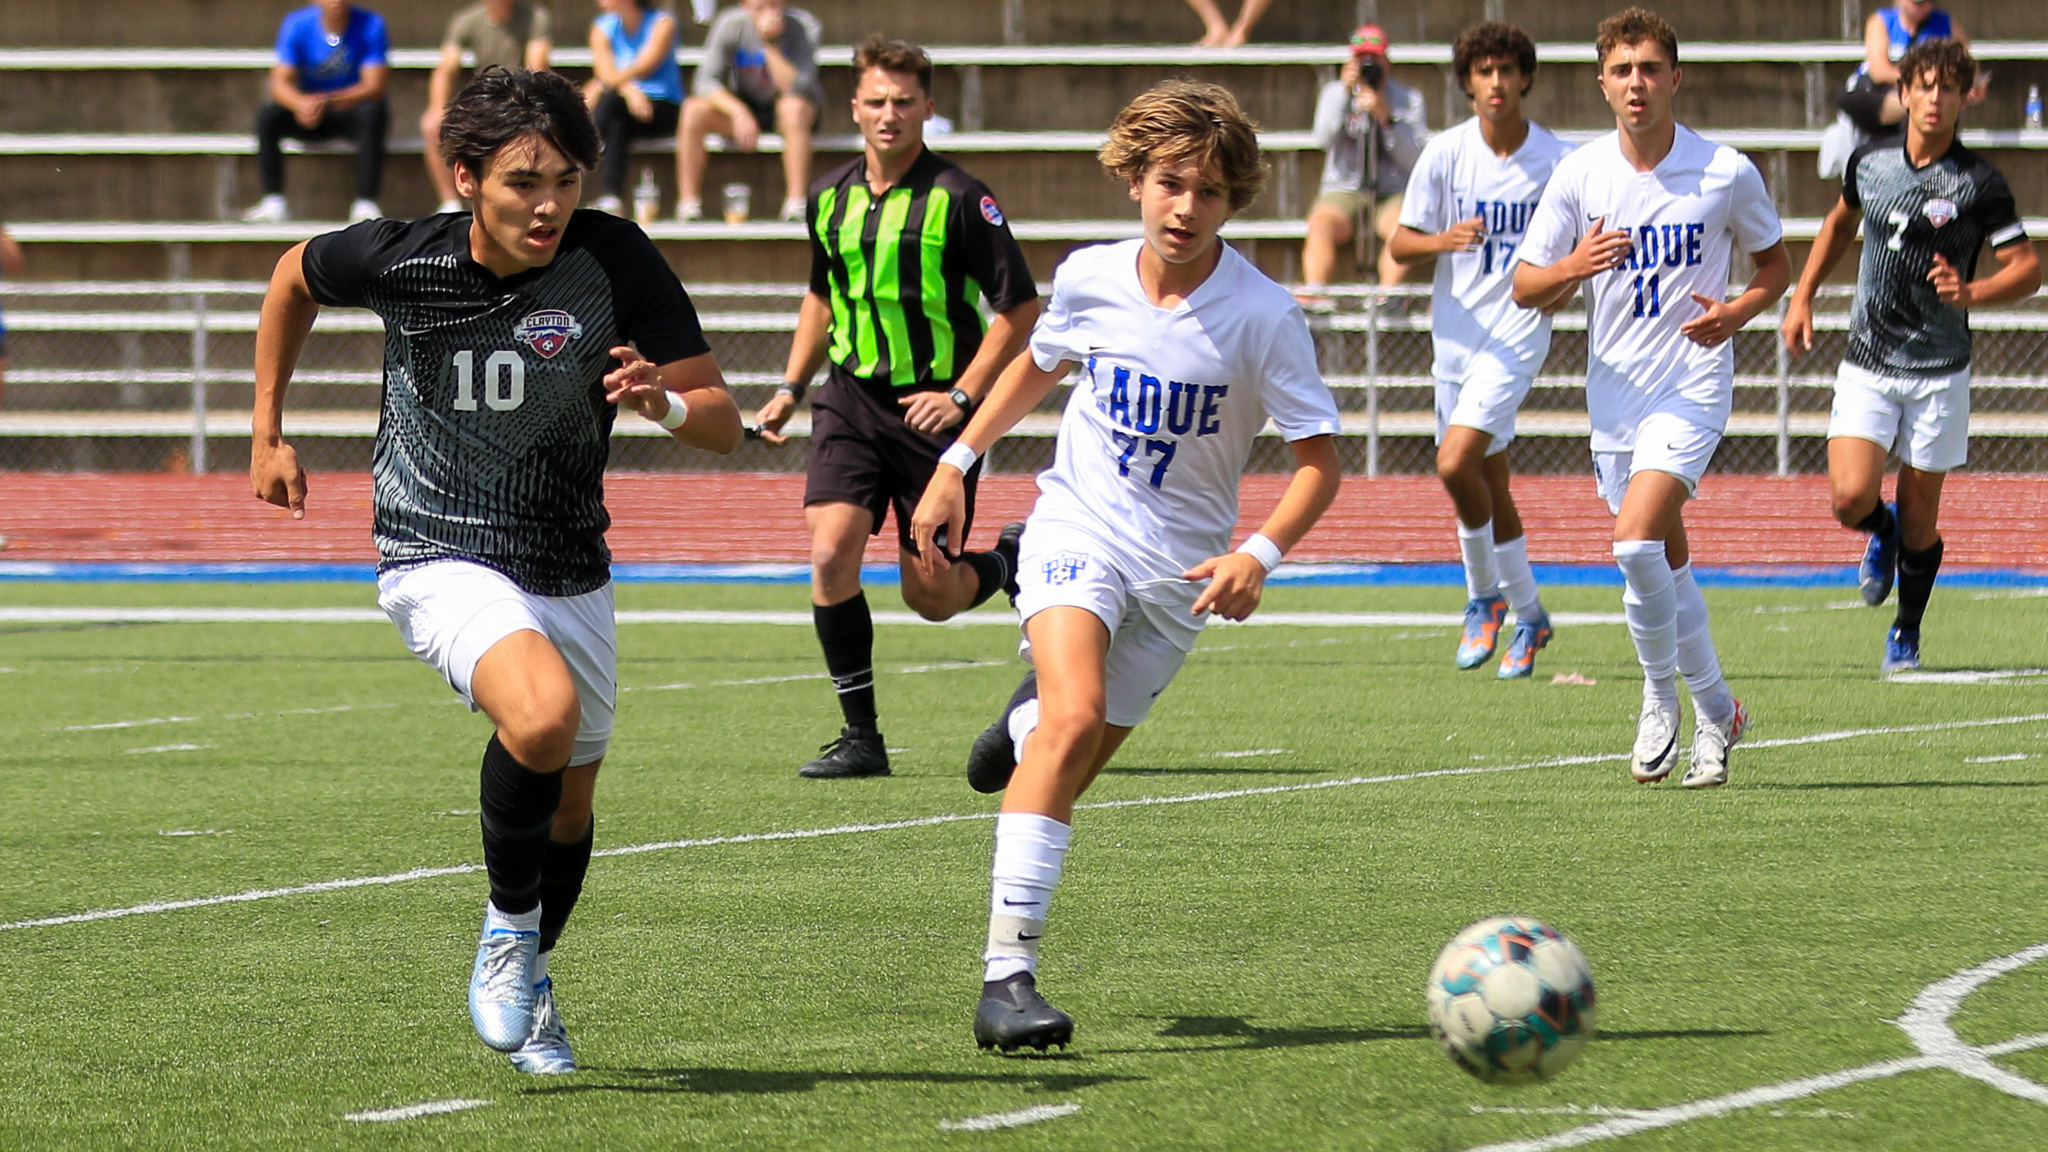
<point>1988,520</point>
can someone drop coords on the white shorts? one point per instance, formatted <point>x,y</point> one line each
<point>450,612</point>
<point>1932,411</point>
<point>1147,643</point>
<point>1664,443</point>
<point>1487,399</point>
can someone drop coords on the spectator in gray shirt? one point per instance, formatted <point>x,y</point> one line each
<point>760,71</point>
<point>1363,103</point>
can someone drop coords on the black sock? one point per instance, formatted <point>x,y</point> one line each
<point>1916,583</point>
<point>846,631</point>
<point>518,810</point>
<point>993,570</point>
<point>1880,522</point>
<point>561,881</point>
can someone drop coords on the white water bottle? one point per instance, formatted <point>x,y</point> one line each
<point>2033,107</point>
<point>646,198</point>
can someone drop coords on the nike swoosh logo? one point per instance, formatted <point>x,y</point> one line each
<point>1019,903</point>
<point>1022,936</point>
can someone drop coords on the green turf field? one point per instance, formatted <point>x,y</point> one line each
<point>1245,970</point>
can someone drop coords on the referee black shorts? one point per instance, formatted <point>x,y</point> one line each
<point>863,453</point>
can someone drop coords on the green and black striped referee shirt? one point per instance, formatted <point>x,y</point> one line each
<point>902,272</point>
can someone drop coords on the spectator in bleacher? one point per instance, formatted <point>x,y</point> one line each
<point>1872,101</point>
<point>637,89</point>
<point>760,71</point>
<point>1216,33</point>
<point>1371,128</point>
<point>328,82</point>
<point>509,33</point>
<point>10,265</point>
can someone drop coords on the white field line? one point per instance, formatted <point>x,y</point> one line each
<point>203,747</point>
<point>682,616</point>
<point>1968,676</point>
<point>415,1111</point>
<point>1022,1116</point>
<point>1251,752</point>
<point>2005,759</point>
<point>960,817</point>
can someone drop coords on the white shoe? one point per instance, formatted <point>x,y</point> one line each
<point>451,206</point>
<point>611,204</point>
<point>1656,750</point>
<point>793,211</point>
<point>1710,745</point>
<point>546,1051</point>
<point>689,211</point>
<point>501,987</point>
<point>269,210</point>
<point>363,210</point>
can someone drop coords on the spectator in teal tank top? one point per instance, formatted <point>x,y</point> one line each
<point>637,89</point>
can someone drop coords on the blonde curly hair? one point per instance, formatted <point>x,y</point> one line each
<point>1182,121</point>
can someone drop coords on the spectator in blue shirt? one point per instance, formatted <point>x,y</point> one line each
<point>635,89</point>
<point>10,264</point>
<point>328,82</point>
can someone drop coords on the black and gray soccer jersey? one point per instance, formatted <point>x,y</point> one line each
<point>492,441</point>
<point>1898,326</point>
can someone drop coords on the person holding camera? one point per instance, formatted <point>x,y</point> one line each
<point>1371,128</point>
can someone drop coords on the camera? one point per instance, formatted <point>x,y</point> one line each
<point>1371,72</point>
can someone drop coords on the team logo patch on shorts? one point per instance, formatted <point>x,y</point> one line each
<point>547,331</point>
<point>990,212</point>
<point>1940,211</point>
<point>1065,567</point>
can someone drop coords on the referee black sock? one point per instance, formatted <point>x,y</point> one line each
<point>846,631</point>
<point>1880,522</point>
<point>993,571</point>
<point>1916,583</point>
<point>518,811</point>
<point>562,867</point>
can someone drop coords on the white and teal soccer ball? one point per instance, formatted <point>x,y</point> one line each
<point>1511,1000</point>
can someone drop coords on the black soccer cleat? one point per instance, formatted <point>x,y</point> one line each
<point>1007,542</point>
<point>1013,1015</point>
<point>994,756</point>
<point>855,753</point>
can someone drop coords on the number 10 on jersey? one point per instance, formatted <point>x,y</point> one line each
<point>504,381</point>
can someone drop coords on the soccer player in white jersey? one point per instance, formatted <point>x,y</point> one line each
<point>1468,205</point>
<point>1648,220</point>
<point>1185,351</point>
<point>1905,379</point>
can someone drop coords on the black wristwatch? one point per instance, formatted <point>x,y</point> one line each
<point>959,396</point>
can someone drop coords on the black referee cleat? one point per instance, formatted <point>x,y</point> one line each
<point>1013,1015</point>
<point>857,752</point>
<point>994,755</point>
<point>1006,546</point>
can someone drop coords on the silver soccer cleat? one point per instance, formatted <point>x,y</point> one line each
<point>1710,745</point>
<point>501,994</point>
<point>546,1052</point>
<point>1656,750</point>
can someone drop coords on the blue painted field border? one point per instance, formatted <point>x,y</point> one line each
<point>1306,575</point>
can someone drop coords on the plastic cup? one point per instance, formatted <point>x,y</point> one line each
<point>738,200</point>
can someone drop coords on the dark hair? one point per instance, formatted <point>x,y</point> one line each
<point>1494,40</point>
<point>502,105</point>
<point>1179,121</point>
<point>1635,26</point>
<point>1938,61</point>
<point>879,51</point>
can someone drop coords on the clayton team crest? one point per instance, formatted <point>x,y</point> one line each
<point>547,331</point>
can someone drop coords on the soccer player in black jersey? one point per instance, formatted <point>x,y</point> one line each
<point>513,336</point>
<point>1930,204</point>
<point>902,243</point>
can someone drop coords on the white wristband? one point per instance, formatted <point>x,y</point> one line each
<point>1261,549</point>
<point>678,411</point>
<point>959,456</point>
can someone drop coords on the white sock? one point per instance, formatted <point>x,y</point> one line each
<point>1697,661</point>
<point>1022,721</point>
<point>540,968</point>
<point>1651,606</point>
<point>1030,850</point>
<point>1482,576</point>
<point>1517,579</point>
<point>494,920</point>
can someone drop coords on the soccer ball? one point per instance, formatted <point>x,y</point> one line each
<point>1511,1000</point>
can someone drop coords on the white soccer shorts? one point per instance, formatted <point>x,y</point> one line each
<point>1148,641</point>
<point>450,612</point>
<point>1487,399</point>
<point>1665,442</point>
<point>1933,413</point>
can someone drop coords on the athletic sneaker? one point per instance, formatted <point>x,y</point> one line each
<point>1710,745</point>
<point>546,1051</point>
<point>611,204</point>
<point>1656,750</point>
<point>269,210</point>
<point>1901,651</point>
<point>1880,563</point>
<point>1007,542</point>
<point>855,753</point>
<point>994,755</point>
<point>1520,661</point>
<point>1013,1015</point>
<point>1483,619</point>
<point>501,1002</point>
<point>689,211</point>
<point>364,209</point>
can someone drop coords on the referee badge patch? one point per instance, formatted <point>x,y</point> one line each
<point>990,212</point>
<point>1940,211</point>
<point>547,331</point>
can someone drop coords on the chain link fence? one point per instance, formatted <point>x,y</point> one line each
<point>157,376</point>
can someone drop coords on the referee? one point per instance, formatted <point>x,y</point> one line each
<point>901,243</point>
